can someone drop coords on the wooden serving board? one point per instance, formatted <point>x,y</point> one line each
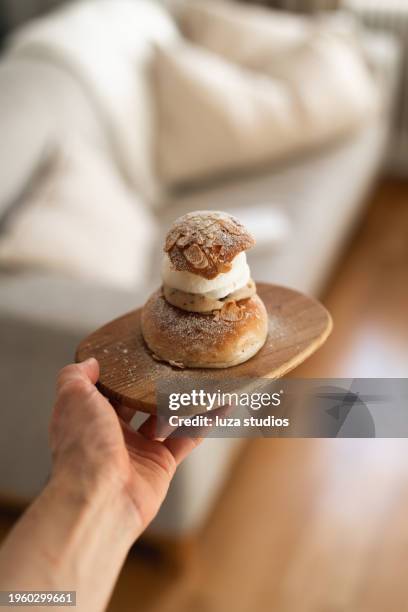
<point>298,326</point>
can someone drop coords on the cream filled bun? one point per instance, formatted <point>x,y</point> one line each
<point>207,313</point>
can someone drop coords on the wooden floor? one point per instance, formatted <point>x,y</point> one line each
<point>369,296</point>
<point>313,525</point>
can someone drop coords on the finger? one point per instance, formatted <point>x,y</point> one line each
<point>180,448</point>
<point>132,437</point>
<point>87,371</point>
<point>126,413</point>
<point>156,428</point>
<point>90,368</point>
<point>148,427</point>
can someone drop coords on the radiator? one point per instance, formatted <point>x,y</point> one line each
<point>391,16</point>
<point>304,6</point>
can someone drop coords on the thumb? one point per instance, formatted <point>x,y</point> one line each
<point>75,382</point>
<point>80,374</point>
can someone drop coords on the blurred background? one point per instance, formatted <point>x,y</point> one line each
<point>117,116</point>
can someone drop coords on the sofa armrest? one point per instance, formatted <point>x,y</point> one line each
<point>384,54</point>
<point>30,356</point>
<point>42,319</point>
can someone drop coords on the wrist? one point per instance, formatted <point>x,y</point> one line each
<point>96,495</point>
<point>76,534</point>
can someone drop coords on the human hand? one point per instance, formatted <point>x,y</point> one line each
<point>94,446</point>
<point>107,483</point>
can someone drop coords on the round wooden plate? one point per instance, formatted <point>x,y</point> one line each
<point>298,325</point>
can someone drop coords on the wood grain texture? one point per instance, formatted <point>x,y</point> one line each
<point>369,297</point>
<point>298,325</point>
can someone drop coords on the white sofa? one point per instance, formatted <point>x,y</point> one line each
<point>43,316</point>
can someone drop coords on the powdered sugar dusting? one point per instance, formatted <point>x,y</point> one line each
<point>205,242</point>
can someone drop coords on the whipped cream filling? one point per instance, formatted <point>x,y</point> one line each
<point>217,288</point>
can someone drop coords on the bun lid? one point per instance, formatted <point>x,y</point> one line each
<point>205,242</point>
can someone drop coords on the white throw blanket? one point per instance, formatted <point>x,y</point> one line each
<point>105,44</point>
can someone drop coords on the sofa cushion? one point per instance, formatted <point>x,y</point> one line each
<point>80,220</point>
<point>215,117</point>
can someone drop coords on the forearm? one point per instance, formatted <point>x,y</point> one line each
<point>109,481</point>
<point>72,538</point>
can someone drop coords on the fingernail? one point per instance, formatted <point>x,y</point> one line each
<point>89,360</point>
